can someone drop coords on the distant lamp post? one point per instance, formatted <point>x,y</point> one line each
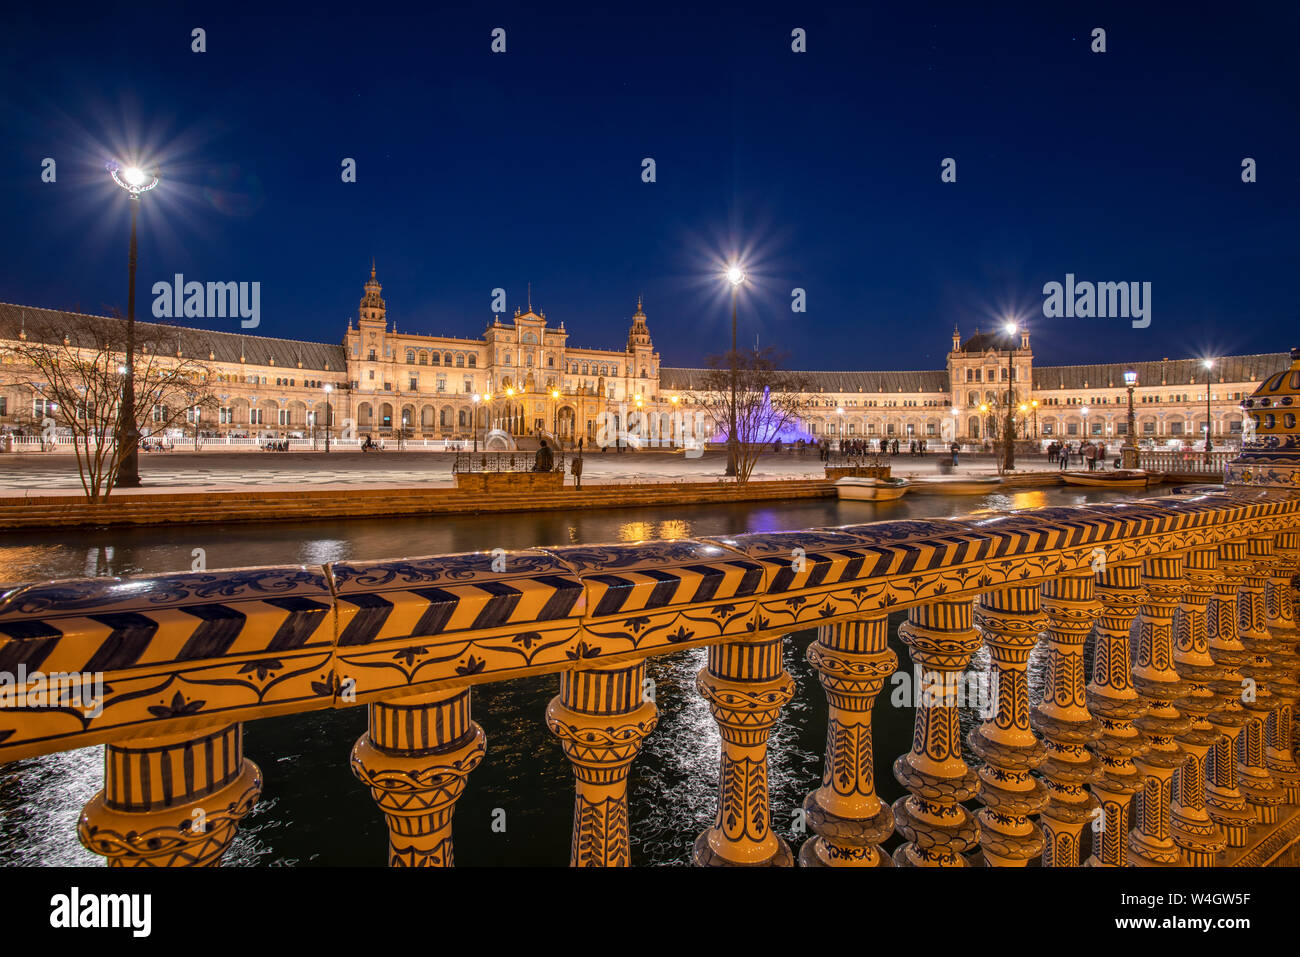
<point>984,411</point>
<point>555,413</point>
<point>1024,418</point>
<point>135,181</point>
<point>1033,404</point>
<point>1085,410</point>
<point>1208,364</point>
<point>1129,454</point>
<point>735,276</point>
<point>1009,438</point>
<point>477,399</point>
<point>328,417</point>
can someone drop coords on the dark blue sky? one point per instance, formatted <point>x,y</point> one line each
<point>478,170</point>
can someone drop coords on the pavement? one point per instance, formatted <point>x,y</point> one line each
<point>48,473</point>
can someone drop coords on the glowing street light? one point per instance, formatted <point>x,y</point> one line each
<point>735,276</point>
<point>1208,364</point>
<point>1009,439</point>
<point>1129,453</point>
<point>135,181</point>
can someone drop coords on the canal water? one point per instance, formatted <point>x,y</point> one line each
<point>518,806</point>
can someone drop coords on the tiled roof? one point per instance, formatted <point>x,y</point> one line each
<point>1167,372</point>
<point>870,382</point>
<point>194,343</point>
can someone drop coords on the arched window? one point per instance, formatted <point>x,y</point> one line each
<point>410,357</point>
<point>473,362</point>
<point>446,359</point>
<point>460,360</point>
<point>424,358</point>
<point>435,359</point>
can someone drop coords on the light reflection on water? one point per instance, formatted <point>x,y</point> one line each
<point>313,811</point>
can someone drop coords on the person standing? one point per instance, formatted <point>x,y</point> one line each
<point>954,449</point>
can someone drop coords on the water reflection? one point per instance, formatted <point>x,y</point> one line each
<point>314,812</point>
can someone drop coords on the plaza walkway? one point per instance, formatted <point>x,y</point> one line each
<point>54,472</point>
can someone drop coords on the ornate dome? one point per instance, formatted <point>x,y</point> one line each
<point>1270,445</point>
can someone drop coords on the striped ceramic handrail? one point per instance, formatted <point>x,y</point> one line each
<point>185,658</point>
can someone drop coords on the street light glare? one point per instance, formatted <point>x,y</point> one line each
<point>735,275</point>
<point>134,175</point>
<point>1011,328</point>
<point>1208,363</point>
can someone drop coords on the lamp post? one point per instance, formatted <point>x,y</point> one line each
<point>1009,438</point>
<point>474,425</point>
<point>135,181</point>
<point>328,417</point>
<point>555,414</point>
<point>1085,410</point>
<point>1129,454</point>
<point>984,411</point>
<point>1033,404</point>
<point>1209,364</point>
<point>735,276</point>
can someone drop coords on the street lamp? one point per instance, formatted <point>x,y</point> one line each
<point>1033,404</point>
<point>1085,410</point>
<point>555,414</point>
<point>1209,364</point>
<point>477,399</point>
<point>735,276</point>
<point>328,417</point>
<point>1024,418</point>
<point>1129,453</point>
<point>1008,440</point>
<point>135,181</point>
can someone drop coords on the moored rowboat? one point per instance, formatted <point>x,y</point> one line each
<point>860,489</point>
<point>957,485</point>
<point>1120,478</point>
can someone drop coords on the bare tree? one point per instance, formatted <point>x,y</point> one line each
<point>76,364</point>
<point>769,399</point>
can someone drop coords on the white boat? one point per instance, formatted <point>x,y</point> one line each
<point>956,484</point>
<point>871,489</point>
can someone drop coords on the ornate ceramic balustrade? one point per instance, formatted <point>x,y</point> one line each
<point>1177,749</point>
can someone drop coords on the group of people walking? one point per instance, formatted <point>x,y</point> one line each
<point>1089,452</point>
<point>859,447</point>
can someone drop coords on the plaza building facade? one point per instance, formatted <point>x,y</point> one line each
<point>524,377</point>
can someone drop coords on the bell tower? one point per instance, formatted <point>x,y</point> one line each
<point>638,337</point>
<point>372,310</point>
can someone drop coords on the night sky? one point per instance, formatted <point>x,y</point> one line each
<point>477,170</point>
